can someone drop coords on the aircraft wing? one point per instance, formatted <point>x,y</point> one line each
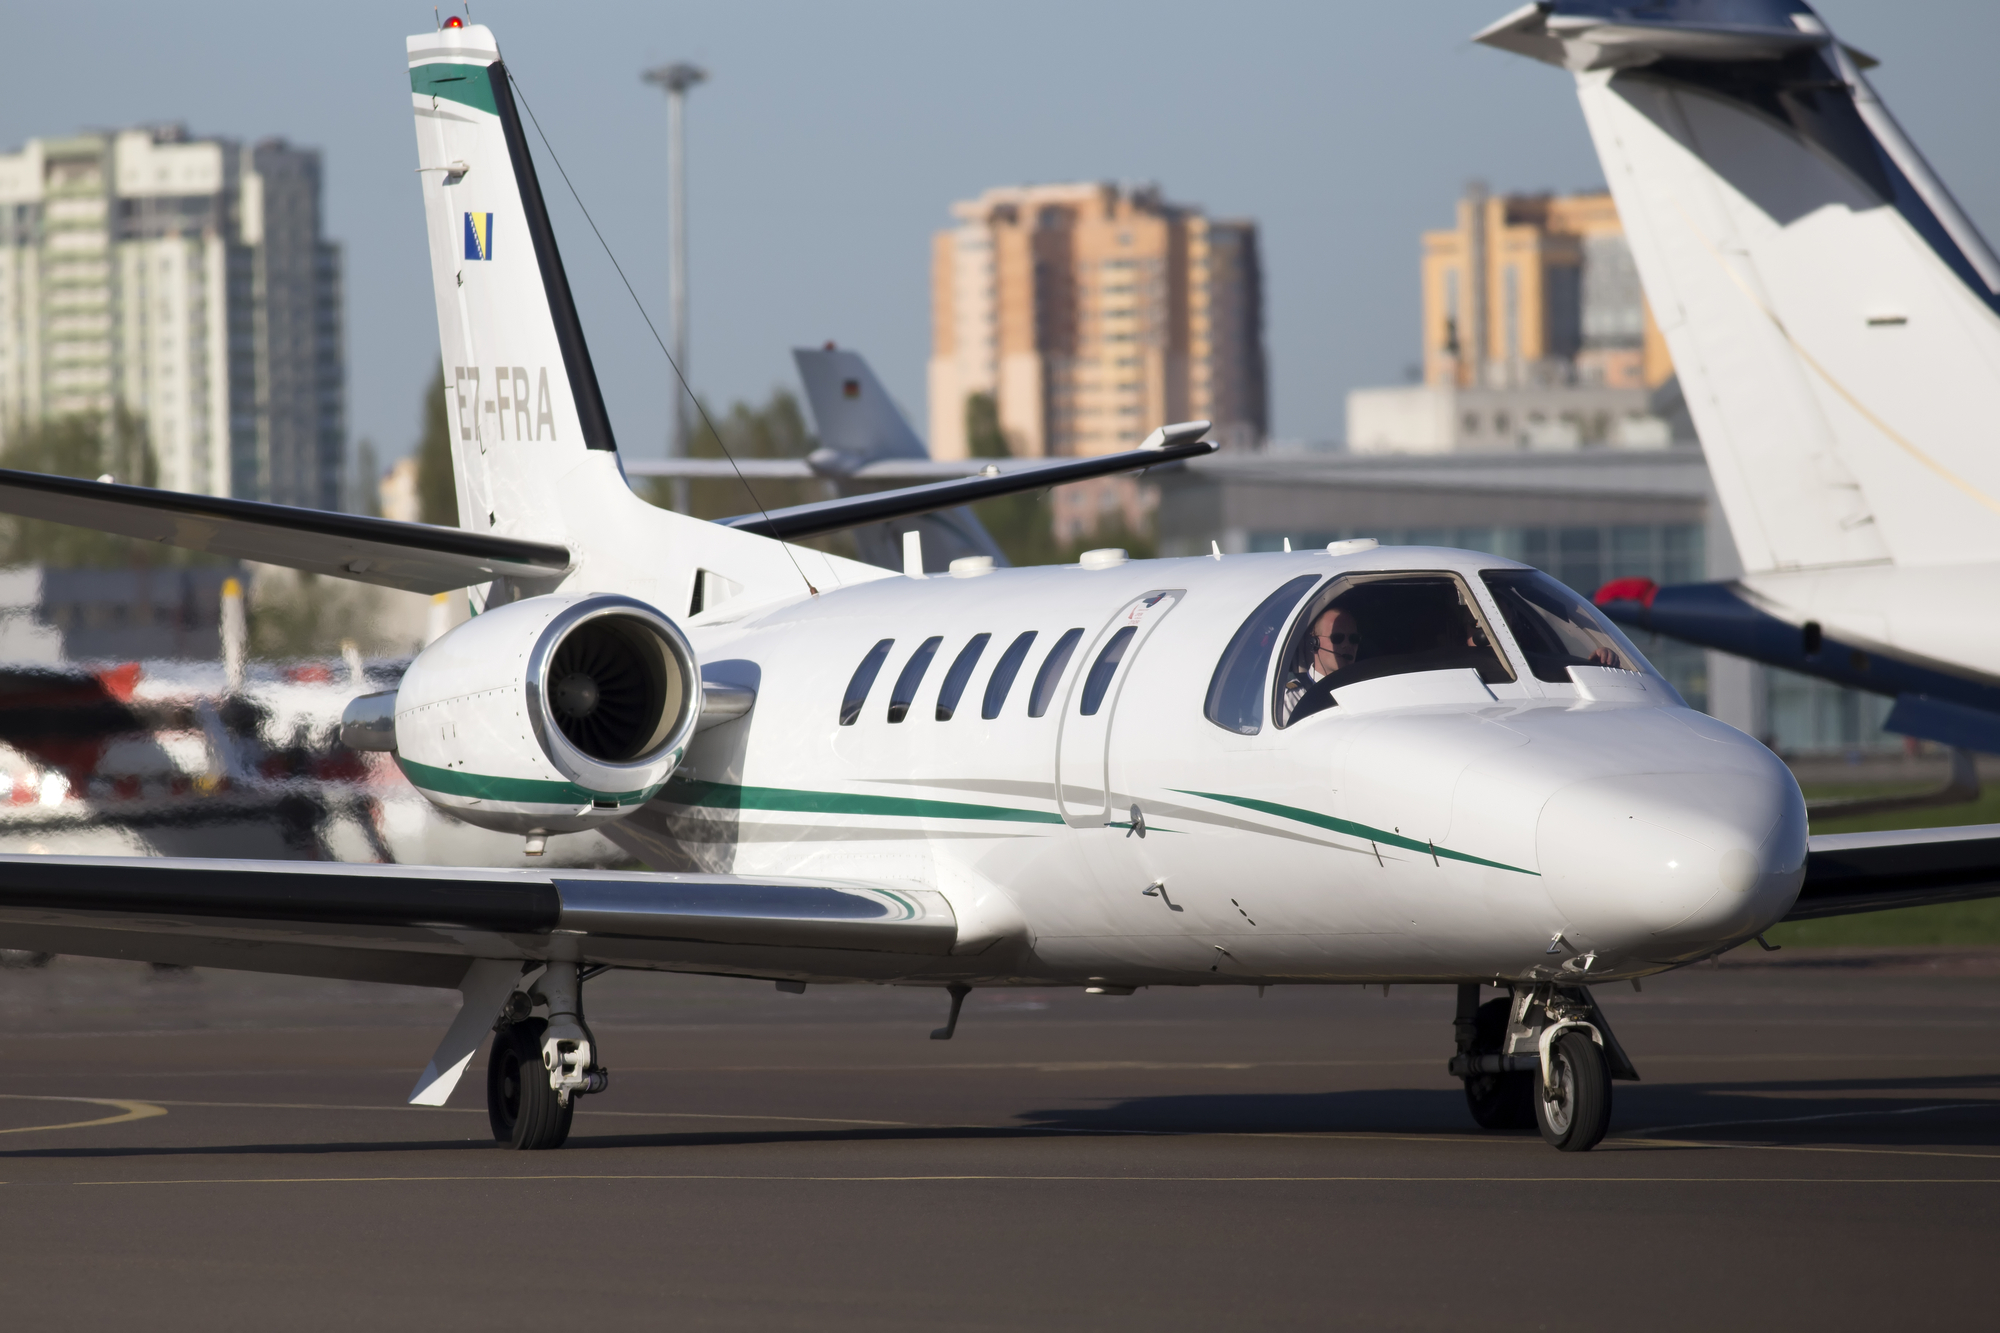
<point>417,557</point>
<point>1871,872</point>
<point>426,925</point>
<point>801,469</point>
<point>1169,444</point>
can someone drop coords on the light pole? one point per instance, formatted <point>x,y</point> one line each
<point>677,78</point>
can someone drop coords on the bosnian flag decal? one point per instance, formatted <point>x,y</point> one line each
<point>479,236</point>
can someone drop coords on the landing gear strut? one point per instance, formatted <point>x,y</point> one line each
<point>539,1067</point>
<point>1544,1055</point>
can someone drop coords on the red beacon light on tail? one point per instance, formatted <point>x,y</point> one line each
<point>454,22</point>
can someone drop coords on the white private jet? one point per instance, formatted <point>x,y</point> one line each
<point>1834,318</point>
<point>1347,765</point>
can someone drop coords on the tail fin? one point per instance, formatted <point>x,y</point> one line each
<point>858,424</point>
<point>1832,315</point>
<point>520,389</point>
<point>857,421</point>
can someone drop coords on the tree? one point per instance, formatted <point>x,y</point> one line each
<point>87,445</point>
<point>437,492</point>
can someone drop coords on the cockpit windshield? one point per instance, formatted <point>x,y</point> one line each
<point>1556,628</point>
<point>1364,626</point>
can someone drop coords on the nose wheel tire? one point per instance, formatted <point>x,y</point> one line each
<point>1498,1101</point>
<point>520,1104</point>
<point>1574,1109</point>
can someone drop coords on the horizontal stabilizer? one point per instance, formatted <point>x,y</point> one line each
<point>1871,872</point>
<point>1174,444</point>
<point>416,557</point>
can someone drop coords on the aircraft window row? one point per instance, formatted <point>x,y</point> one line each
<point>1004,671</point>
<point>913,676</point>
<point>1365,626</point>
<point>955,680</point>
<point>863,681</point>
<point>1556,628</point>
<point>1048,677</point>
<point>1051,672</point>
<point>1104,668</point>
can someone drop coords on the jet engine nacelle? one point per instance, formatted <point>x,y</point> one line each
<point>548,715</point>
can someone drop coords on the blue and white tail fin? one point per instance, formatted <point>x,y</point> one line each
<point>1833,317</point>
<point>520,390</point>
<point>532,445</point>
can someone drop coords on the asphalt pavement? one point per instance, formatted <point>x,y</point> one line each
<point>1816,1143</point>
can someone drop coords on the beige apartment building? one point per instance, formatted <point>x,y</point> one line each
<point>1093,313</point>
<point>1537,289</point>
<point>1536,336</point>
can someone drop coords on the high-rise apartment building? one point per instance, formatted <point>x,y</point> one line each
<point>187,281</point>
<point>1537,289</point>
<point>1536,336</point>
<point>1093,313</point>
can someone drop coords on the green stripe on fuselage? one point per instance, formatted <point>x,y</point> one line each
<point>1354,830</point>
<point>515,791</point>
<point>469,85</point>
<point>725,796</point>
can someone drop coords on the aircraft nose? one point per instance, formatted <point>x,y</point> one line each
<point>1668,865</point>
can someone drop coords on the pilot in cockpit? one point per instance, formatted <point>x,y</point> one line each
<point>1333,643</point>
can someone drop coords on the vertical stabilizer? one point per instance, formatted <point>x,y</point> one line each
<point>532,448</point>
<point>1833,317</point>
<point>858,424</point>
<point>520,389</point>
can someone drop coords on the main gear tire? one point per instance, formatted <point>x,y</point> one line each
<point>1498,1101</point>
<point>520,1104</point>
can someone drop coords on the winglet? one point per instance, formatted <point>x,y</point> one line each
<point>1181,432</point>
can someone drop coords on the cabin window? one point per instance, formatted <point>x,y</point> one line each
<point>1556,628</point>
<point>863,681</point>
<point>1004,671</point>
<point>912,677</point>
<point>1104,668</point>
<point>1366,626</point>
<point>1051,673</point>
<point>960,673</point>
<point>1236,690</point>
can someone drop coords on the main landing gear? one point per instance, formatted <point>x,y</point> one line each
<point>539,1067</point>
<point>1543,1055</point>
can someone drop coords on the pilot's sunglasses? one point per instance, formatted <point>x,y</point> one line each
<point>1338,640</point>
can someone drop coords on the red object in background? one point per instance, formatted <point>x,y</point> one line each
<point>311,673</point>
<point>120,681</point>
<point>1637,590</point>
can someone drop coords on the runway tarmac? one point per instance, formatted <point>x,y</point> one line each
<point>1816,1144</point>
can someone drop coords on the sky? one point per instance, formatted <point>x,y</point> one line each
<point>832,139</point>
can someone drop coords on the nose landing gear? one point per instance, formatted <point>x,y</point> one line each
<point>1544,1055</point>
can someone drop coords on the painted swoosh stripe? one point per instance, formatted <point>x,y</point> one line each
<point>520,791</point>
<point>725,796</point>
<point>1354,830</point>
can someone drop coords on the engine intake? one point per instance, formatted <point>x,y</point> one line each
<point>548,715</point>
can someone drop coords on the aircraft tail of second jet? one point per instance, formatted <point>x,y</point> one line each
<point>1832,315</point>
